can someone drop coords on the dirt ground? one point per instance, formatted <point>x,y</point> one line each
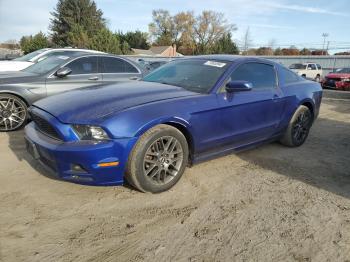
<point>268,204</point>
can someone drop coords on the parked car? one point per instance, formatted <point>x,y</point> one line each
<point>308,70</point>
<point>54,75</point>
<point>149,66</point>
<point>23,62</point>
<point>184,112</point>
<point>340,79</point>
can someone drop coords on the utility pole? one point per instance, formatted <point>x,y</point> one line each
<point>324,35</point>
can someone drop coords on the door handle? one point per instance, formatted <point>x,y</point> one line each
<point>93,78</point>
<point>134,78</point>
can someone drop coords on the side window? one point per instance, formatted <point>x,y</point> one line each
<point>117,65</point>
<point>260,75</point>
<point>84,65</point>
<point>319,67</point>
<point>289,76</point>
<point>312,67</point>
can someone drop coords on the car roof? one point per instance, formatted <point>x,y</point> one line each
<point>68,49</point>
<point>230,58</point>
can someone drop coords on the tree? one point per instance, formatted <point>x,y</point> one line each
<point>77,37</point>
<point>278,51</point>
<point>246,41</point>
<point>290,51</point>
<point>343,53</point>
<point>305,51</point>
<point>207,28</point>
<point>162,27</point>
<point>264,51</point>
<point>135,39</point>
<point>271,43</point>
<point>225,45</point>
<point>32,43</point>
<point>106,41</point>
<point>72,17</point>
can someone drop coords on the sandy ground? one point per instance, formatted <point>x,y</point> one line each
<point>268,204</point>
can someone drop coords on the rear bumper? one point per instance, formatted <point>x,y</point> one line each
<point>58,157</point>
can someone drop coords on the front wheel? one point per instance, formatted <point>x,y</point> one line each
<point>298,128</point>
<point>158,159</point>
<point>13,113</point>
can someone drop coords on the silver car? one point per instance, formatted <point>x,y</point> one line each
<point>56,74</point>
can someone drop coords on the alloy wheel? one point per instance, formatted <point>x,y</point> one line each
<point>12,113</point>
<point>301,127</point>
<point>163,160</point>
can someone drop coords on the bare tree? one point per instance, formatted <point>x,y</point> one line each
<point>247,41</point>
<point>272,43</point>
<point>162,27</point>
<point>208,28</point>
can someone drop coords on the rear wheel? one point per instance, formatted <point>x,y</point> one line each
<point>158,160</point>
<point>13,112</point>
<point>318,78</point>
<point>298,128</point>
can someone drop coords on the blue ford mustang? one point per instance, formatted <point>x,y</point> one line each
<point>186,111</point>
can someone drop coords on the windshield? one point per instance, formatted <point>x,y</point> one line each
<point>194,75</point>
<point>297,66</point>
<point>28,57</point>
<point>46,65</point>
<point>343,70</point>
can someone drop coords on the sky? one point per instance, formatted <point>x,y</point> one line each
<point>286,22</point>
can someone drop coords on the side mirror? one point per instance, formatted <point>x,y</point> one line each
<point>62,72</point>
<point>238,86</point>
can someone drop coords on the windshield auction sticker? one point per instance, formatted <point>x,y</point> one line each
<point>63,57</point>
<point>214,63</point>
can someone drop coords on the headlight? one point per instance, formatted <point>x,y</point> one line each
<point>86,132</point>
<point>346,80</point>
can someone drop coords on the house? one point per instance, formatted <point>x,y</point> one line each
<point>168,51</point>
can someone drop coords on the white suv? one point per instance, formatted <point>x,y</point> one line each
<point>36,56</point>
<point>308,70</point>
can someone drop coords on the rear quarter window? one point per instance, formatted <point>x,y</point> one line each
<point>288,76</point>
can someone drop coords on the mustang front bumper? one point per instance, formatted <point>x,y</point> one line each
<point>79,161</point>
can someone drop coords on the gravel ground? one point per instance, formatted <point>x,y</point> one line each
<point>268,204</point>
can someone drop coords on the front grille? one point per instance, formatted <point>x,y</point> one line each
<point>44,126</point>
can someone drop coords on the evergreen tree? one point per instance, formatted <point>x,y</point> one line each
<point>74,20</point>
<point>32,43</point>
<point>106,41</point>
<point>225,45</point>
<point>135,39</point>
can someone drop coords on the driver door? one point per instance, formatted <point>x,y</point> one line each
<point>251,116</point>
<point>85,72</point>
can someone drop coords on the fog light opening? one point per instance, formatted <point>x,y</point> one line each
<point>78,168</point>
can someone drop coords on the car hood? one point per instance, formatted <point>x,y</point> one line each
<point>88,105</point>
<point>13,65</point>
<point>16,77</point>
<point>338,75</point>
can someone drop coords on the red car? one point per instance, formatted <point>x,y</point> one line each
<point>340,79</point>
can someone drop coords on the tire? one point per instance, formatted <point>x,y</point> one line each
<point>13,113</point>
<point>298,128</point>
<point>303,75</point>
<point>156,163</point>
<point>318,78</point>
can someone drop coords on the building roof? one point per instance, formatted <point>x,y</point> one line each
<point>158,49</point>
<point>142,52</point>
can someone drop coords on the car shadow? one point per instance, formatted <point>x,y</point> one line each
<point>323,161</point>
<point>18,147</point>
